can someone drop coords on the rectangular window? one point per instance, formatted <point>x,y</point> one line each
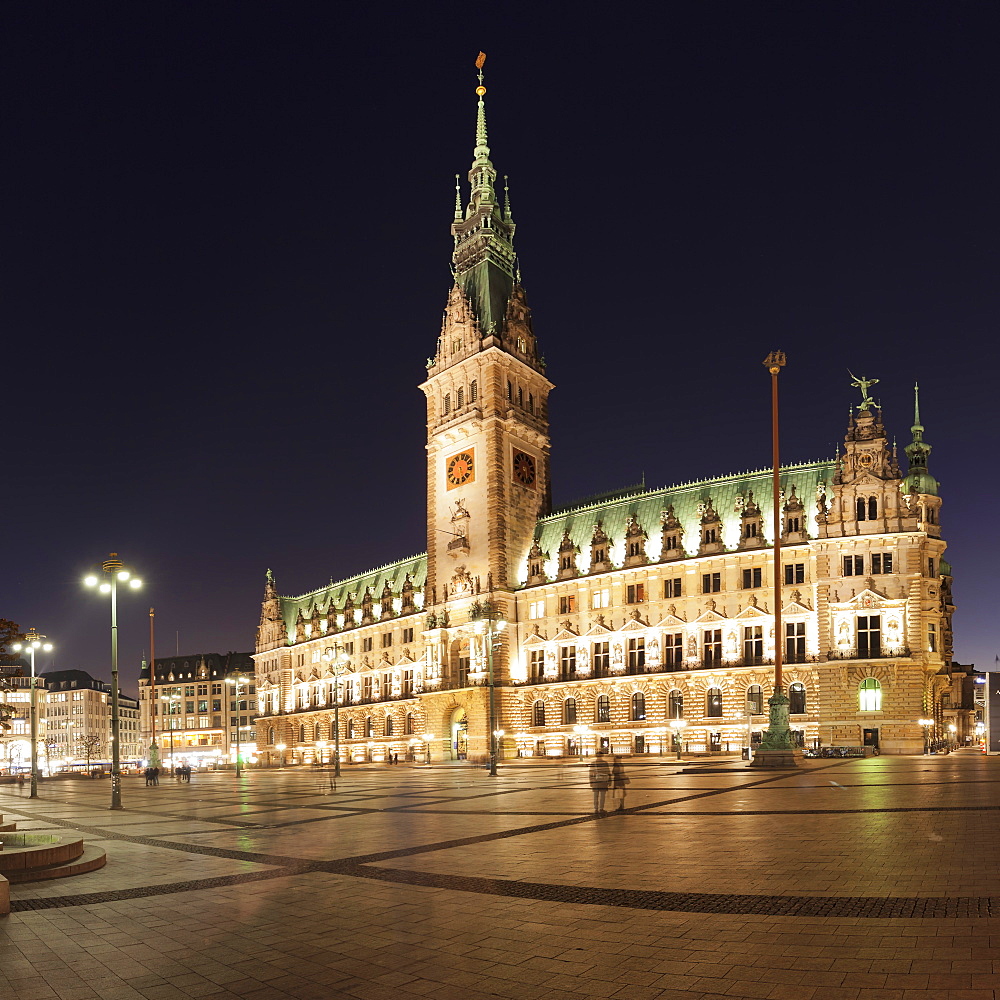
<point>711,583</point>
<point>869,635</point>
<point>407,635</point>
<point>795,642</point>
<point>711,647</point>
<point>349,648</point>
<point>203,705</point>
<point>536,665</point>
<point>366,688</point>
<point>216,704</point>
<point>672,588</point>
<point>795,573</point>
<point>601,658</point>
<point>932,638</point>
<point>881,563</point>
<point>673,649</point>
<point>366,644</point>
<point>536,609</point>
<point>635,593</point>
<point>600,599</point>
<point>854,566</point>
<point>386,639</point>
<point>930,567</point>
<point>567,605</point>
<point>752,578</point>
<point>189,691</point>
<point>753,644</point>
<point>202,689</point>
<point>636,655</point>
<point>567,662</point>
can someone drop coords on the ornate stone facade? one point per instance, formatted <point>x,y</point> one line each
<point>613,631</point>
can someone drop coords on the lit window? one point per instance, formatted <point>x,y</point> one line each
<point>638,707</point>
<point>635,593</point>
<point>603,709</point>
<point>600,599</point>
<point>713,703</point>
<point>536,609</point>
<point>755,699</point>
<point>870,695</point>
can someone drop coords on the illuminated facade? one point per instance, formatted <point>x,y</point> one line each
<point>199,718</point>
<point>624,613</point>
<point>77,712</point>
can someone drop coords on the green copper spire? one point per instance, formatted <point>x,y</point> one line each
<point>483,261</point>
<point>918,479</point>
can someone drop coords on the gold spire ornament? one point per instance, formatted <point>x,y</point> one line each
<point>480,59</point>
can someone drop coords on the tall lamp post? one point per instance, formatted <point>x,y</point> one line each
<point>337,658</point>
<point>239,685</point>
<point>114,570</point>
<point>489,622</point>
<point>33,641</point>
<point>677,725</point>
<point>776,742</point>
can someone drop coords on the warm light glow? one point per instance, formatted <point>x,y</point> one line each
<point>135,583</point>
<point>47,647</point>
<point>926,722</point>
<point>123,574</point>
<point>90,581</point>
<point>105,588</point>
<point>17,647</point>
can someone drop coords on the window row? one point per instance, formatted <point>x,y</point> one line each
<point>461,397</point>
<point>674,706</point>
<point>365,728</point>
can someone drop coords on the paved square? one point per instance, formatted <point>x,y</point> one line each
<point>844,880</point>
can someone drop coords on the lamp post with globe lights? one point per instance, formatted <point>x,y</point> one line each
<point>337,658</point>
<point>114,571</point>
<point>489,622</point>
<point>33,641</point>
<point>239,685</point>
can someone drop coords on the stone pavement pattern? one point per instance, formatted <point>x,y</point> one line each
<point>845,880</point>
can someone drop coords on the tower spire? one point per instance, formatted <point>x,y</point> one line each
<point>918,479</point>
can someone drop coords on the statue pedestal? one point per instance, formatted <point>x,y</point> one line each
<point>774,759</point>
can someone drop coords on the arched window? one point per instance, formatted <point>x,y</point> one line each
<point>473,391</point>
<point>569,711</point>
<point>369,728</point>
<point>408,730</point>
<point>796,698</point>
<point>861,509</point>
<point>713,703</point>
<point>675,705</point>
<point>870,695</point>
<point>270,736</point>
<point>350,729</point>
<point>460,398</point>
<point>602,711</point>
<point>872,508</point>
<point>447,402</point>
<point>755,699</point>
<point>302,734</point>
<point>538,713</point>
<point>388,725</point>
<point>638,707</point>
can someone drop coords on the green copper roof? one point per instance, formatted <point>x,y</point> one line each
<point>375,580</point>
<point>809,480</point>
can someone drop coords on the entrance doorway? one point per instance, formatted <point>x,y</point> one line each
<point>459,735</point>
<point>870,738</point>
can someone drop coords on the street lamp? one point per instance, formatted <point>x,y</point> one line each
<point>488,620</point>
<point>33,641</point>
<point>926,725</point>
<point>280,747</point>
<point>953,729</point>
<point>428,738</point>
<point>114,570</point>
<point>240,685</point>
<point>171,699</point>
<point>336,656</point>
<point>582,733</point>
<point>677,725</point>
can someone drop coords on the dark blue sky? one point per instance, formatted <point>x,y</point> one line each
<point>226,245</point>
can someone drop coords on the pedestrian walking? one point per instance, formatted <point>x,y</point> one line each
<point>156,775</point>
<point>619,782</point>
<point>600,778</point>
<point>149,776</point>
<point>20,781</point>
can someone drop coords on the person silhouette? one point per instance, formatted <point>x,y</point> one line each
<point>600,778</point>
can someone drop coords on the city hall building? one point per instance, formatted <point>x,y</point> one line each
<point>622,622</point>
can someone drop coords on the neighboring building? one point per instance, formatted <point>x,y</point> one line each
<point>78,721</point>
<point>626,612</point>
<point>15,690</point>
<point>196,712</point>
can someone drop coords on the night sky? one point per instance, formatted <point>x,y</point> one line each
<point>226,252</point>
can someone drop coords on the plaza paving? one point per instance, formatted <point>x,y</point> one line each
<point>848,879</point>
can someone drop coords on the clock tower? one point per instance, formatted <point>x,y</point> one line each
<point>487,407</point>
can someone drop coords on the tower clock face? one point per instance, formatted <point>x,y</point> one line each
<point>460,469</point>
<point>524,469</point>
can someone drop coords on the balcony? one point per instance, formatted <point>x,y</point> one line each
<point>878,653</point>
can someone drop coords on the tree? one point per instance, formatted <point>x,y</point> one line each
<point>9,632</point>
<point>89,747</point>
